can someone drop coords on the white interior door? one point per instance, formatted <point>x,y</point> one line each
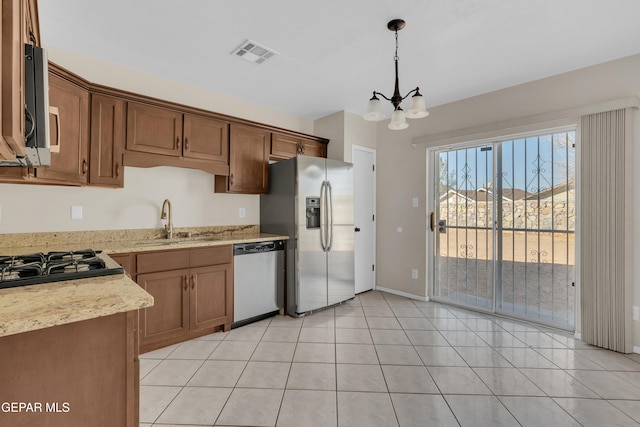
<point>364,195</point>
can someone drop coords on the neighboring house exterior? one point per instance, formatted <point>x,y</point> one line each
<point>551,209</point>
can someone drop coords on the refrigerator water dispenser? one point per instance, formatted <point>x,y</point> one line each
<point>313,212</point>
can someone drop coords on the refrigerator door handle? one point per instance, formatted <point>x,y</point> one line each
<point>330,215</point>
<point>323,214</point>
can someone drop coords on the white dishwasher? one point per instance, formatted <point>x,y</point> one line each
<point>258,281</point>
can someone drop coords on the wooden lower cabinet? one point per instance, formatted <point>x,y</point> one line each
<point>79,374</point>
<point>169,317</point>
<point>192,291</point>
<point>126,261</point>
<point>210,293</point>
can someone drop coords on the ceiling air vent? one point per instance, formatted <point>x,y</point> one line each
<point>253,52</point>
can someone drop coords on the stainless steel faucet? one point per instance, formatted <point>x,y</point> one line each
<point>168,228</point>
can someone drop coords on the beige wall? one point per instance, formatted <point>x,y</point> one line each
<point>34,208</point>
<point>113,75</point>
<point>346,129</point>
<point>332,127</point>
<point>402,168</point>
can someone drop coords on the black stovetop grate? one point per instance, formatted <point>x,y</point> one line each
<point>32,269</point>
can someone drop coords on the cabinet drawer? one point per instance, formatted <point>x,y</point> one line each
<point>126,261</point>
<point>162,261</point>
<point>211,256</point>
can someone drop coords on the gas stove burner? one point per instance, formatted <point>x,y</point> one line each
<point>53,267</point>
<point>21,259</point>
<point>19,270</point>
<point>71,255</point>
<point>74,264</point>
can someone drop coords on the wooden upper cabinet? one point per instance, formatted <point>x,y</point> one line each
<point>154,130</point>
<point>248,161</point>
<point>12,79</point>
<point>314,148</point>
<point>69,132</point>
<point>107,141</point>
<point>206,138</point>
<point>32,27</point>
<point>284,146</point>
<point>287,146</point>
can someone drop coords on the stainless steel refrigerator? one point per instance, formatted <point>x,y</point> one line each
<point>310,199</point>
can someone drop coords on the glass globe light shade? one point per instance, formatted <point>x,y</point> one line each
<point>374,110</point>
<point>398,121</point>
<point>417,108</point>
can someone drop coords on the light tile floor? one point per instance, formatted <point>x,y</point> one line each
<point>384,360</point>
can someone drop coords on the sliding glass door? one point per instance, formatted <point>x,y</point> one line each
<point>503,227</point>
<point>463,225</point>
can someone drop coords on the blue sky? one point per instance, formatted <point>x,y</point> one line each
<point>533,163</point>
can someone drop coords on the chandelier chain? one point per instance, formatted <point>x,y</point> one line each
<point>395,58</point>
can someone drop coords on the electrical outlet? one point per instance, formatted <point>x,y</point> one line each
<point>0,213</point>
<point>415,202</point>
<point>414,273</point>
<point>241,213</point>
<point>636,312</point>
<point>76,212</point>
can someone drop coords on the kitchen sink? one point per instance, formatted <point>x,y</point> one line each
<point>166,242</point>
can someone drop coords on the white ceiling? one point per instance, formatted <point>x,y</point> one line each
<point>334,53</point>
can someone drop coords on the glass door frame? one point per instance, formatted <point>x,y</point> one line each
<point>432,247</point>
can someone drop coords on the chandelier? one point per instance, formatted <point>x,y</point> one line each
<point>417,109</point>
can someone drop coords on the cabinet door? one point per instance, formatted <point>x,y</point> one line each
<point>153,129</point>
<point>69,132</point>
<point>107,141</point>
<point>248,160</point>
<point>32,28</point>
<point>12,81</point>
<point>314,149</point>
<point>169,316</point>
<point>206,139</point>
<point>284,146</point>
<point>211,296</point>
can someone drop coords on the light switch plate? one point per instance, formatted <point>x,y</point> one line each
<point>415,202</point>
<point>414,273</point>
<point>76,212</point>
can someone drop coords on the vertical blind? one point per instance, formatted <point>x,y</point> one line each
<point>604,290</point>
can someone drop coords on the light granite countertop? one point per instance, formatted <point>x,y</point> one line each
<point>126,241</point>
<point>28,308</point>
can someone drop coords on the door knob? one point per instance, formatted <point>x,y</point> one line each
<point>357,229</point>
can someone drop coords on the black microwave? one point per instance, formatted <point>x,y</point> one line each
<point>36,106</point>
<point>36,110</point>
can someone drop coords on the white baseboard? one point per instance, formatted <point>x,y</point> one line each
<point>636,349</point>
<point>402,294</point>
